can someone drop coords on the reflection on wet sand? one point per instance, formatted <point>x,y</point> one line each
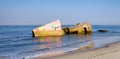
<point>57,46</point>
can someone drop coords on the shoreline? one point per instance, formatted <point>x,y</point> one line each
<point>108,51</point>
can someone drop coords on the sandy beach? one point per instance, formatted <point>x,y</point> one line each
<point>110,51</point>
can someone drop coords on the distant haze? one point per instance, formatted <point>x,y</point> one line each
<point>38,12</point>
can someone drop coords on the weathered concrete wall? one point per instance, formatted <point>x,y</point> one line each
<point>84,28</point>
<point>48,33</point>
<point>88,27</point>
<point>51,29</point>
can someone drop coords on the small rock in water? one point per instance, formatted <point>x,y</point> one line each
<point>102,30</point>
<point>106,46</point>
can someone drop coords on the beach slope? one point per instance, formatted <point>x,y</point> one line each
<point>111,51</point>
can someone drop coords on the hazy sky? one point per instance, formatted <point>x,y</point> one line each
<point>36,12</point>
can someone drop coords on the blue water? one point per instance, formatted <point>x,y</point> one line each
<point>16,42</point>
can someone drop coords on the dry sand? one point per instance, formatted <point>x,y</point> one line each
<point>111,51</point>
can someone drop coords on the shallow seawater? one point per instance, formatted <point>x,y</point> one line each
<point>16,42</point>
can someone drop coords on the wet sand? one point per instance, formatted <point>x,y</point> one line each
<point>110,51</point>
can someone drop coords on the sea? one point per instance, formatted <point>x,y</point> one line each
<point>16,41</point>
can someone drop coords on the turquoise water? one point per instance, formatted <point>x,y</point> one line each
<point>16,42</point>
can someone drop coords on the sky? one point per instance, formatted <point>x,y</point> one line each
<point>69,12</point>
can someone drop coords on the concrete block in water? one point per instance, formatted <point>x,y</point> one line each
<point>55,29</point>
<point>84,28</point>
<point>50,29</point>
<point>48,33</point>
